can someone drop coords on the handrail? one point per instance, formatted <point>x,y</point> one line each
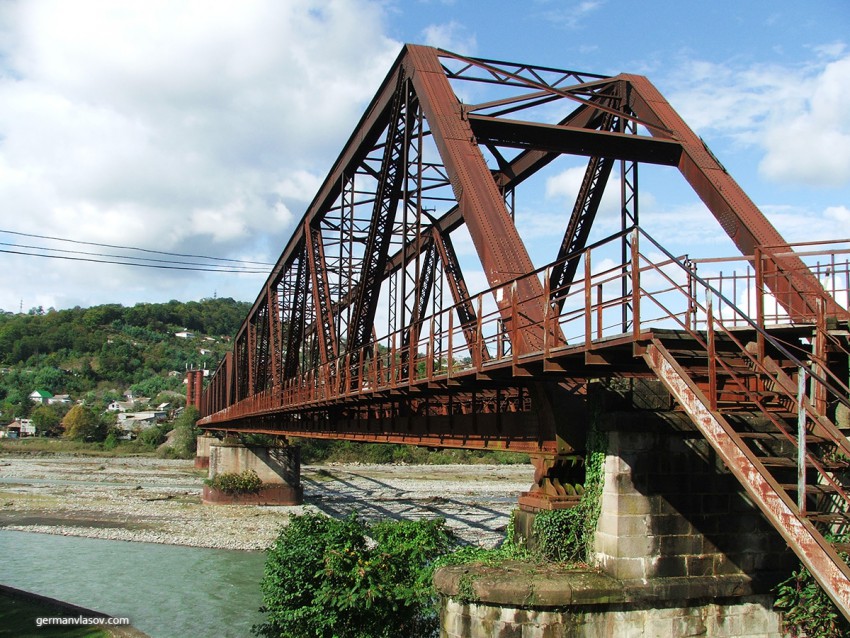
<point>378,361</point>
<point>759,329</point>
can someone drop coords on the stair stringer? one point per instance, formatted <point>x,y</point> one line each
<point>813,550</point>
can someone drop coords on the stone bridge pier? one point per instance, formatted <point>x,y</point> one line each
<point>679,549</point>
<point>278,467</point>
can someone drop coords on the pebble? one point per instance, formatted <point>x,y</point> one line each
<point>153,500</point>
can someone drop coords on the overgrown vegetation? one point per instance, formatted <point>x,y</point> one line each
<point>235,483</point>
<point>807,610</point>
<point>567,535</point>
<point>185,434</point>
<point>348,579</point>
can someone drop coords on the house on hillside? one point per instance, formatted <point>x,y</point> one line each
<point>18,428</point>
<point>40,396</point>
<point>185,334</point>
<point>132,423</point>
<point>59,399</point>
<point>121,406</point>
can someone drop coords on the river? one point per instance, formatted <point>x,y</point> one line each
<point>166,591</point>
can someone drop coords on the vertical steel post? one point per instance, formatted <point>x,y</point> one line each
<point>588,302</point>
<point>759,266</point>
<point>801,439</point>
<point>711,352</point>
<point>635,282</point>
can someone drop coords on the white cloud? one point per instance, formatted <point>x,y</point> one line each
<point>797,116</point>
<point>573,15</point>
<point>840,214</point>
<point>813,145</point>
<point>451,36</point>
<point>195,126</point>
<point>566,185</point>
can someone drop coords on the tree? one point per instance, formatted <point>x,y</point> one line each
<point>46,421</point>
<point>81,424</point>
<point>186,433</point>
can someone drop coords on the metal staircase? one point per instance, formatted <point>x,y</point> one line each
<point>767,403</point>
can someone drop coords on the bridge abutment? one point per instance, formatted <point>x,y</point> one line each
<point>279,469</point>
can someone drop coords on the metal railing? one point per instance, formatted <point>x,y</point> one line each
<point>666,292</point>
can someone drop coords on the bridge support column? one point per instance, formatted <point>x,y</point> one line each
<point>279,468</point>
<point>675,520</point>
<point>202,453</point>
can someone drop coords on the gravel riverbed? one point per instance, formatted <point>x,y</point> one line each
<point>159,501</point>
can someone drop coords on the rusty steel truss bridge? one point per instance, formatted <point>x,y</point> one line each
<point>367,328</point>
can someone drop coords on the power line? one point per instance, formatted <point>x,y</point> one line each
<point>124,263</point>
<point>144,250</point>
<point>82,252</point>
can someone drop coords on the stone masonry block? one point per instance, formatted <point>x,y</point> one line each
<point>634,504</point>
<point>681,545</point>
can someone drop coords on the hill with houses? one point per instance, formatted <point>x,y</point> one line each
<point>113,359</point>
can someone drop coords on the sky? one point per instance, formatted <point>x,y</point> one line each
<point>204,127</point>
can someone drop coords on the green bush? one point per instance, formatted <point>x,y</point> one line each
<point>346,579</point>
<point>807,610</point>
<point>186,433</point>
<point>111,440</point>
<point>247,482</point>
<point>153,436</point>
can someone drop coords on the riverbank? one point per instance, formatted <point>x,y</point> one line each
<point>158,500</point>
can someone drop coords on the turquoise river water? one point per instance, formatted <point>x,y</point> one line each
<point>166,591</point>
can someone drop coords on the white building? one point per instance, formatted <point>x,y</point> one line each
<point>40,396</point>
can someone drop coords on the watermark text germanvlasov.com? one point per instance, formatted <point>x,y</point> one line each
<point>80,620</point>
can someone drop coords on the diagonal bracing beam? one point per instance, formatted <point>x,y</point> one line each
<point>424,285</point>
<point>460,295</point>
<point>499,246</point>
<point>389,190</point>
<point>787,277</point>
<point>321,294</point>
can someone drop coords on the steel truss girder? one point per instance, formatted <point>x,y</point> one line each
<point>792,283</point>
<point>295,323</point>
<point>386,201</point>
<point>275,336</point>
<point>496,239</point>
<point>457,131</point>
<point>321,294</point>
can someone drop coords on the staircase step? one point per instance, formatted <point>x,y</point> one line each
<point>778,436</point>
<point>811,489</point>
<point>832,518</point>
<point>781,461</point>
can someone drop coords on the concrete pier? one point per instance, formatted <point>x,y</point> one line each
<point>202,451</point>
<point>279,468</point>
<point>679,549</point>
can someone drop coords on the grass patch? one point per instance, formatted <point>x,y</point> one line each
<point>42,445</point>
<point>17,619</point>
<point>329,451</point>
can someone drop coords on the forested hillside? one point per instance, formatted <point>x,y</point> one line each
<point>102,351</point>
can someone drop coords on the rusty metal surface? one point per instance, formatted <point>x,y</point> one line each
<point>500,248</point>
<point>745,224</point>
<point>367,329</point>
<point>819,557</point>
